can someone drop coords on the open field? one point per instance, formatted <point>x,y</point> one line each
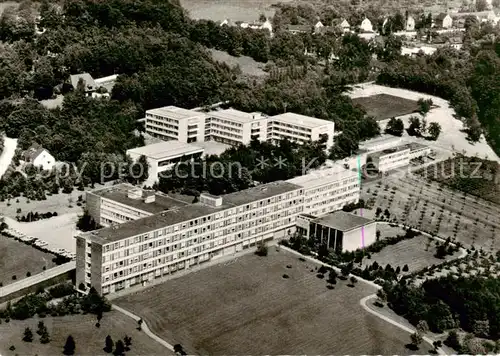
<point>248,66</point>
<point>247,307</point>
<point>244,10</point>
<point>59,203</point>
<point>417,253</point>
<point>469,175</point>
<point>429,207</point>
<point>17,259</point>
<point>452,138</point>
<point>89,340</point>
<point>384,106</point>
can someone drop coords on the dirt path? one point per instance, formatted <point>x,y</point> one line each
<point>9,149</point>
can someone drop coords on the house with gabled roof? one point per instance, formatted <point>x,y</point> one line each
<point>443,20</point>
<point>39,157</point>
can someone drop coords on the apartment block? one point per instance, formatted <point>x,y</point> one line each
<point>138,251</point>
<point>235,127</point>
<point>299,128</point>
<point>173,123</point>
<point>328,189</point>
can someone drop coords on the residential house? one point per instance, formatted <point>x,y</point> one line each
<point>299,29</point>
<point>443,21</point>
<point>39,157</point>
<point>89,83</point>
<point>410,24</point>
<point>318,27</point>
<point>366,25</point>
<point>342,25</point>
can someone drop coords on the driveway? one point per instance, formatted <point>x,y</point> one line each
<point>9,149</point>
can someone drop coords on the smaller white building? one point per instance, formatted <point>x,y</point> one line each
<point>443,21</point>
<point>410,24</point>
<point>163,156</point>
<point>340,231</point>
<point>39,157</point>
<point>366,25</point>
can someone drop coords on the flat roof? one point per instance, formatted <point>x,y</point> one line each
<point>188,212</point>
<point>212,147</point>
<point>343,221</point>
<point>391,150</point>
<point>300,120</point>
<point>166,149</point>
<point>416,146</point>
<point>384,139</point>
<point>119,193</point>
<point>236,115</point>
<point>175,112</point>
<point>324,176</point>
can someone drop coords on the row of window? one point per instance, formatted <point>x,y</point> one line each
<point>161,118</point>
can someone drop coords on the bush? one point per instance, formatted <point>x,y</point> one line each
<point>286,276</point>
<point>261,249</point>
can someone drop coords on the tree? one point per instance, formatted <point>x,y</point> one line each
<point>41,328</point>
<point>434,130</point>
<point>28,335</point>
<point>139,323</point>
<point>128,342</point>
<point>44,337</point>
<point>481,5</point>
<point>422,327</point>
<point>108,344</point>
<point>395,127</point>
<point>332,277</point>
<point>415,126</point>
<point>416,339</point>
<point>69,347</point>
<point>119,348</point>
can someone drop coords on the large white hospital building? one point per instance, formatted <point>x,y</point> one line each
<point>148,235</point>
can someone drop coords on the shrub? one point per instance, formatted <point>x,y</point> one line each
<point>320,276</point>
<point>261,249</point>
<point>286,276</point>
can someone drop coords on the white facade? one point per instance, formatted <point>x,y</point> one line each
<point>163,156</point>
<point>44,160</point>
<point>299,128</point>
<point>344,25</point>
<point>366,25</point>
<point>327,190</point>
<point>445,22</point>
<point>139,251</point>
<point>235,127</point>
<point>410,24</point>
<point>173,123</point>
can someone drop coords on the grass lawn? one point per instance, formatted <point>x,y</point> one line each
<point>416,253</point>
<point>384,106</point>
<point>247,307</point>
<point>247,65</point>
<point>89,340</point>
<point>17,259</point>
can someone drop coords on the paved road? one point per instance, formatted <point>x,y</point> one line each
<point>144,327</point>
<point>37,278</point>
<point>9,149</point>
<point>363,302</point>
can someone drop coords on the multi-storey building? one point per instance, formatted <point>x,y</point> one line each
<point>327,190</point>
<point>138,251</point>
<point>124,202</point>
<point>299,128</point>
<point>173,123</point>
<point>163,156</point>
<point>234,127</point>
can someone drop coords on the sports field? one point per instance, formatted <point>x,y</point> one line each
<point>247,307</point>
<point>385,106</point>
